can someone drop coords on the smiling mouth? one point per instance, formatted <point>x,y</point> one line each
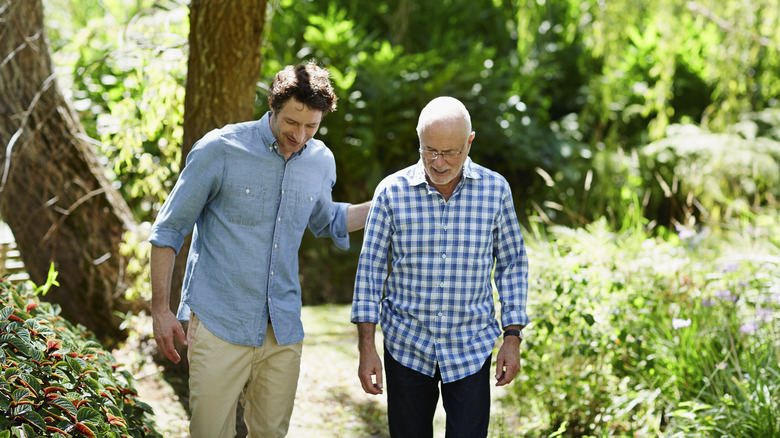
<point>292,142</point>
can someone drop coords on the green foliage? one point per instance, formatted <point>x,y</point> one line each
<point>718,175</point>
<point>564,95</point>
<point>673,61</point>
<point>637,336</point>
<point>57,381</point>
<point>123,64</point>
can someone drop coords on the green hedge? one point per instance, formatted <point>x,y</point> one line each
<point>57,381</point>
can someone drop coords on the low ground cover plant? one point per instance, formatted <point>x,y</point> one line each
<point>56,380</point>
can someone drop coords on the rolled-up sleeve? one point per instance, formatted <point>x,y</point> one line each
<point>372,265</point>
<point>329,219</point>
<point>197,184</point>
<point>511,274</point>
<point>338,225</point>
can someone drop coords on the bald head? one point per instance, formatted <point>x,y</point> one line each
<point>445,112</point>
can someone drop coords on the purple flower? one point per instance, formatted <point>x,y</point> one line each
<point>764,315</point>
<point>728,267</point>
<point>685,233</point>
<point>721,366</point>
<point>707,302</point>
<point>749,328</point>
<point>723,294</point>
<point>678,323</point>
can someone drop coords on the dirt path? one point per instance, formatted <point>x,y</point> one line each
<point>329,403</point>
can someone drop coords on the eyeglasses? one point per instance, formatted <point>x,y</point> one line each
<point>432,155</point>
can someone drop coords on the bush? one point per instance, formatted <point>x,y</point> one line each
<point>633,335</point>
<point>57,381</point>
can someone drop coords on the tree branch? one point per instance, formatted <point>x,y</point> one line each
<point>9,148</point>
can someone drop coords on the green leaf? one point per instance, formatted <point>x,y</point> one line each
<point>74,364</point>
<point>63,403</point>
<point>93,384</point>
<point>88,414</point>
<point>20,394</point>
<point>35,419</point>
<point>51,280</point>
<point>28,431</point>
<point>10,372</point>
<point>33,381</point>
<point>6,312</point>
<point>16,342</point>
<point>588,318</point>
<point>36,354</point>
<point>144,407</point>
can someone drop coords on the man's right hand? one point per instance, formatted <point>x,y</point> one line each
<point>370,368</point>
<point>166,329</point>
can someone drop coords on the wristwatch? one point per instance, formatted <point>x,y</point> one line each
<point>517,333</point>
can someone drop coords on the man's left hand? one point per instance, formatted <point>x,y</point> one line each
<point>508,361</point>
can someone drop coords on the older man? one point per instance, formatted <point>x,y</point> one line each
<point>442,225</point>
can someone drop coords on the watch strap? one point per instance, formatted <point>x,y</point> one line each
<point>513,333</point>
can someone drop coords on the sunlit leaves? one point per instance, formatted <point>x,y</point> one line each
<point>627,328</point>
<point>60,381</point>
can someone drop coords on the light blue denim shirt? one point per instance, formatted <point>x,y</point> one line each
<point>247,208</point>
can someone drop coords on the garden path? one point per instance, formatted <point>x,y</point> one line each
<point>330,402</point>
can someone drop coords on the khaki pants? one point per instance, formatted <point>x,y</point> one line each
<point>267,377</point>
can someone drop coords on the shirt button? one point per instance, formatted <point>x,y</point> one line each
<point>440,313</point>
<point>247,191</point>
<point>279,219</point>
<point>445,227</point>
<point>283,191</point>
<point>272,272</point>
<point>276,246</point>
<point>444,256</point>
<point>442,284</point>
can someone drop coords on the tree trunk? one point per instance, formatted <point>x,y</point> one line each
<point>53,192</point>
<point>226,38</point>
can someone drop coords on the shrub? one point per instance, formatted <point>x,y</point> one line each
<point>633,335</point>
<point>56,380</point>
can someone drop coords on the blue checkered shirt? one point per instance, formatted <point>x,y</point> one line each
<point>436,305</point>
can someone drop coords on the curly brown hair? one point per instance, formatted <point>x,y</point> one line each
<point>309,84</point>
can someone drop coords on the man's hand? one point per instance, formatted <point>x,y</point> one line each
<point>370,367</point>
<point>508,361</point>
<point>370,373</point>
<point>166,326</point>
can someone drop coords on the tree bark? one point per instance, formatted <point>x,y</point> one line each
<point>53,192</point>
<point>226,38</point>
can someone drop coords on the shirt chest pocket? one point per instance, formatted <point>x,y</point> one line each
<point>301,204</point>
<point>244,204</point>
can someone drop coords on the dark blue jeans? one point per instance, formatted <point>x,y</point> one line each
<point>412,399</point>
